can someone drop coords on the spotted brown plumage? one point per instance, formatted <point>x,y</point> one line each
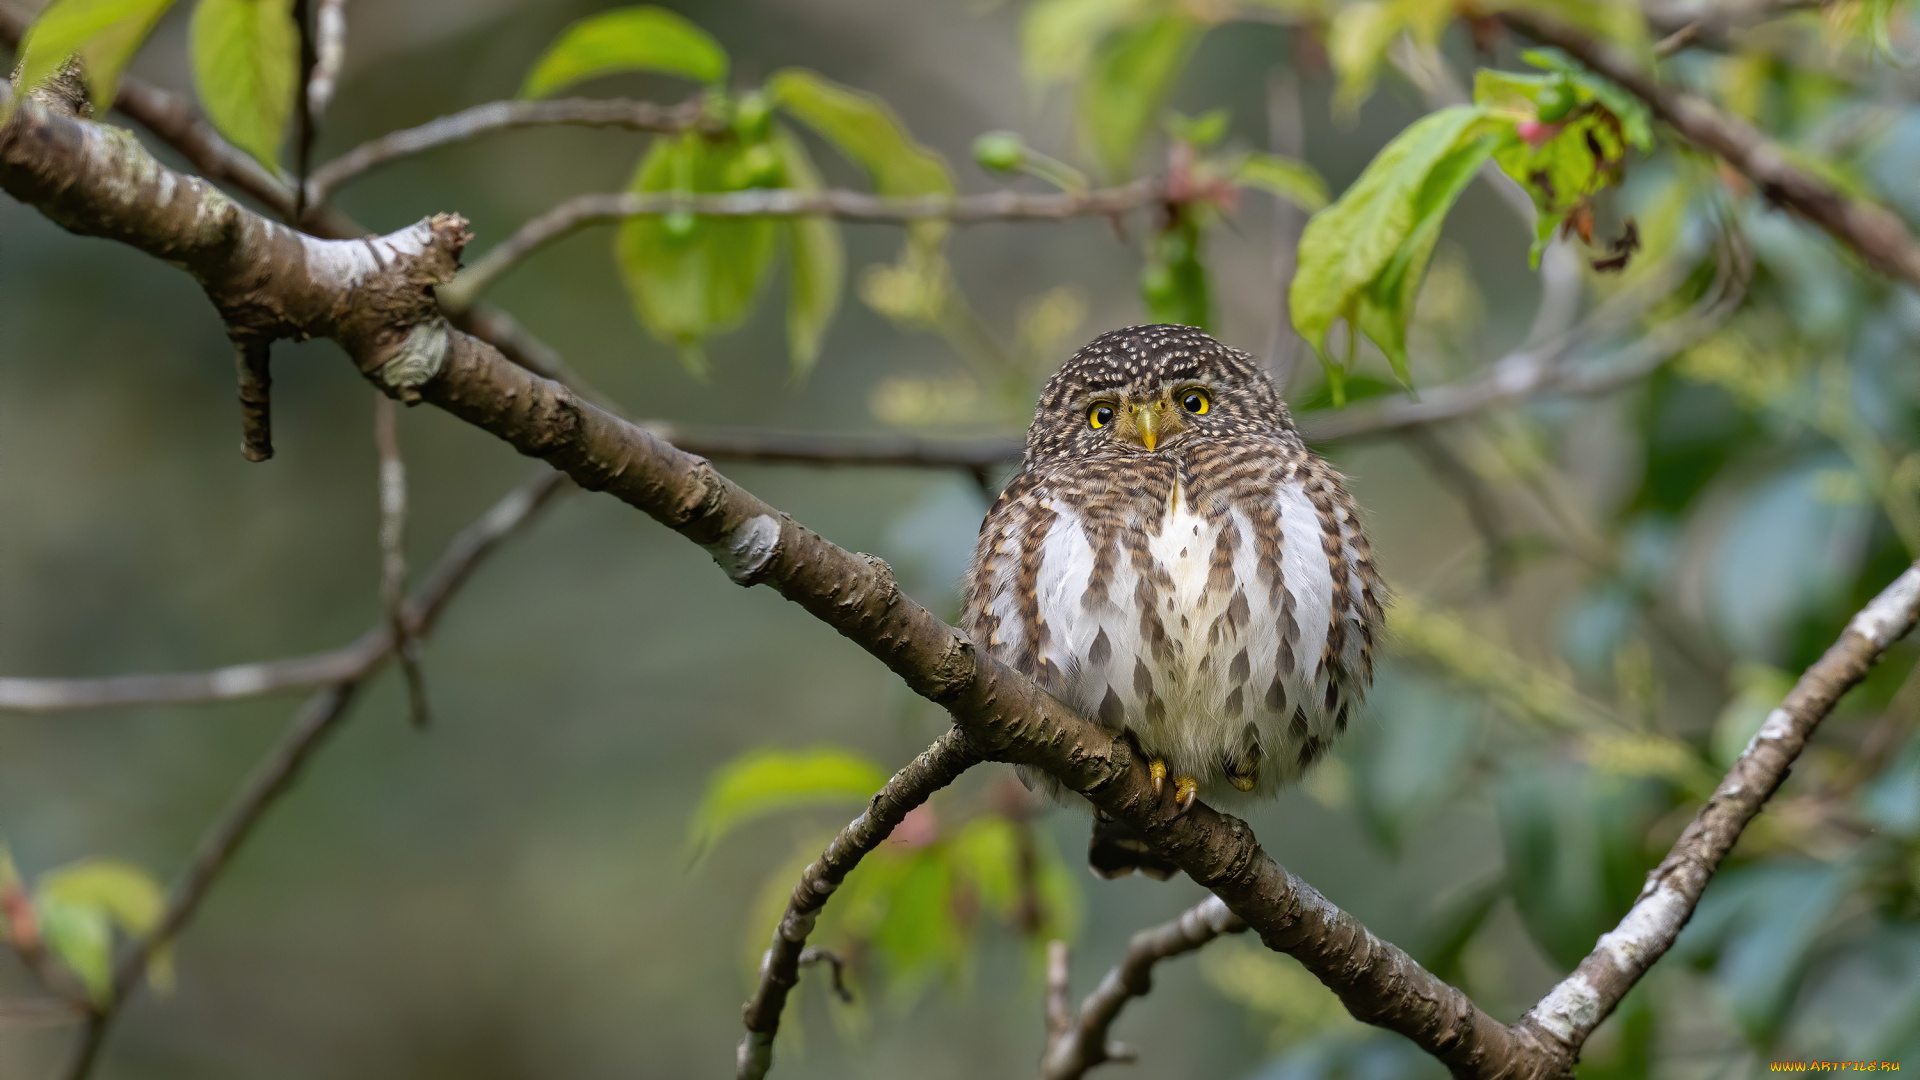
<point>1175,563</point>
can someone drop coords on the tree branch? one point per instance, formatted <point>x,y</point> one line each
<point>505,116</point>
<point>935,768</point>
<point>1575,1007</point>
<point>353,661</point>
<point>582,211</point>
<point>393,554</point>
<point>1083,1042</point>
<point>1874,233</point>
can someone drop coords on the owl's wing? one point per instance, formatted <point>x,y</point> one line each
<point>1330,599</point>
<point>999,617</point>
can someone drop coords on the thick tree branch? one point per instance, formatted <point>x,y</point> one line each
<point>935,768</point>
<point>582,211</point>
<point>353,661</point>
<point>1574,1008</point>
<point>1874,233</point>
<point>1083,1042</point>
<point>505,116</point>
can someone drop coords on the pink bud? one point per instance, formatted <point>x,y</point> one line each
<point>1536,132</point>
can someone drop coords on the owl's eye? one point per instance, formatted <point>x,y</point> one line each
<point>1196,401</point>
<point>1100,415</point>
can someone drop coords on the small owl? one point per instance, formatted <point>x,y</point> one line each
<point>1176,564</point>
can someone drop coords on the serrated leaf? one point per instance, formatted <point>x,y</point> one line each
<point>105,34</point>
<point>691,277</point>
<point>80,904</point>
<point>865,129</point>
<point>643,38</point>
<point>246,64</point>
<point>1375,239</point>
<point>1126,83</point>
<point>816,262</point>
<point>1288,178</point>
<point>767,781</point>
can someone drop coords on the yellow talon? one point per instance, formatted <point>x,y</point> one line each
<point>1185,791</point>
<point>1157,771</point>
<point>1243,782</point>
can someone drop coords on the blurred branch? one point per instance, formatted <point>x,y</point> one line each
<point>582,211</point>
<point>1286,136</point>
<point>1476,498</point>
<point>1713,22</point>
<point>355,661</point>
<point>393,553</point>
<point>270,779</point>
<point>276,772</point>
<point>1874,233</point>
<point>330,55</point>
<point>935,768</point>
<point>1083,1042</point>
<point>1574,1008</point>
<point>506,116</point>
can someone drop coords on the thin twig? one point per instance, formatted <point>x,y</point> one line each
<point>1286,136</point>
<point>306,121</point>
<point>582,211</point>
<point>935,768</point>
<point>253,360</point>
<point>1874,233</point>
<point>330,55</point>
<point>352,661</point>
<point>810,956</point>
<point>1084,1041</point>
<point>493,116</point>
<point>393,552</point>
<point>1059,990</point>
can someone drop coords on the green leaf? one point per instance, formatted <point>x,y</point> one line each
<point>816,261</point>
<point>1383,309</point>
<point>691,277</point>
<point>627,39</point>
<point>1174,281</point>
<point>767,781</point>
<point>1126,83</point>
<point>80,904</point>
<point>1362,257</point>
<point>1288,178</point>
<point>1357,40</point>
<point>105,34</point>
<point>246,65</point>
<point>865,129</point>
<point>1057,37</point>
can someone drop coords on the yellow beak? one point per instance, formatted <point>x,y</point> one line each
<point>1146,424</point>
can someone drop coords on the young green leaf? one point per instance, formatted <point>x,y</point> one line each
<point>816,261</point>
<point>1362,258</point>
<point>767,781</point>
<point>103,33</point>
<point>1126,83</point>
<point>80,904</point>
<point>1290,179</point>
<point>1058,36</point>
<point>691,277</point>
<point>865,129</point>
<point>246,64</point>
<point>627,39</point>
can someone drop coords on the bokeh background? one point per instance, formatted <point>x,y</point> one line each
<point>508,894</point>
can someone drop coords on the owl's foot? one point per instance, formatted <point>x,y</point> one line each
<point>1185,790</point>
<point>1157,772</point>
<point>1245,780</point>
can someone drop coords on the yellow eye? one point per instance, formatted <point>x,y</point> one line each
<point>1196,401</point>
<point>1100,415</point>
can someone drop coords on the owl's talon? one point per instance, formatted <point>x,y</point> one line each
<point>1185,790</point>
<point>1157,772</point>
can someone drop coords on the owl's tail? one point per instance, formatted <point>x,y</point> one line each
<point>1116,851</point>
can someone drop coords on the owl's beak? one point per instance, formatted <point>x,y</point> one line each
<point>1153,424</point>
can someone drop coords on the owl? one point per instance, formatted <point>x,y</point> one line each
<point>1173,562</point>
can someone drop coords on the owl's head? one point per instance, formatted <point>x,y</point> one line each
<point>1146,389</point>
